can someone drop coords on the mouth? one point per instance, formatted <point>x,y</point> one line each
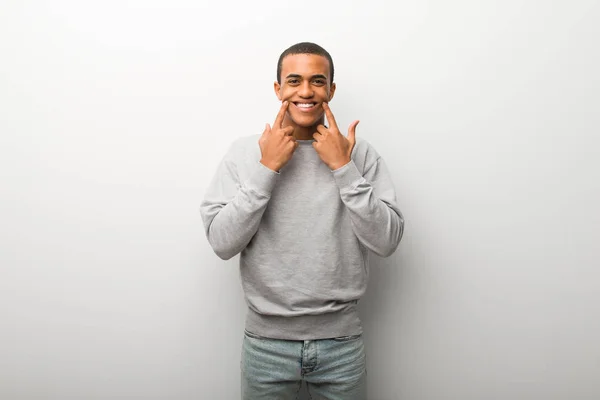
<point>305,106</point>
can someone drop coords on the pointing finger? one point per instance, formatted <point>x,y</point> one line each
<point>279,120</point>
<point>330,116</point>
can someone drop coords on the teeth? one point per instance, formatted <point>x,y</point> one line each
<point>305,105</point>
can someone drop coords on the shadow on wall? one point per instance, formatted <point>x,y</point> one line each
<point>384,289</point>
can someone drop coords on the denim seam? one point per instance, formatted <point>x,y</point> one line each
<point>316,368</point>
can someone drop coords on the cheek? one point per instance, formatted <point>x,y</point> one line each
<point>286,93</point>
<point>323,93</point>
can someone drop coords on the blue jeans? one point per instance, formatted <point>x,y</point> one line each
<point>273,369</point>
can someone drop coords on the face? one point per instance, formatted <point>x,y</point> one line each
<point>306,84</point>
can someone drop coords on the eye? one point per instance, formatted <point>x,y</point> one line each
<point>293,81</point>
<point>319,82</point>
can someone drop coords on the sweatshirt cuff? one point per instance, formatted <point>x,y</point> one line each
<point>347,177</point>
<point>263,180</point>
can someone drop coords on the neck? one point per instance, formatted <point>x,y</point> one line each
<point>303,132</point>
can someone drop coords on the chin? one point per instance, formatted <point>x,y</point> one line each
<point>305,121</point>
<point>304,124</point>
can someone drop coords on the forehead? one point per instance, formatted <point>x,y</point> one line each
<point>305,65</point>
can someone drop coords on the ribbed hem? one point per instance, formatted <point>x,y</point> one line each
<point>347,177</point>
<point>345,322</point>
<point>263,180</point>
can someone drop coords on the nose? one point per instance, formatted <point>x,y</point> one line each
<point>305,91</point>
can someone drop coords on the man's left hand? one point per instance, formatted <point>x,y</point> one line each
<point>333,148</point>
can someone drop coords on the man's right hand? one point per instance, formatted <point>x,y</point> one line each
<point>277,144</point>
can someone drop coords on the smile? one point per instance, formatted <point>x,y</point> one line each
<point>305,107</point>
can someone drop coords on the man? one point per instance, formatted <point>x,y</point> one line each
<point>303,205</point>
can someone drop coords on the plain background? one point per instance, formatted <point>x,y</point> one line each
<point>114,115</point>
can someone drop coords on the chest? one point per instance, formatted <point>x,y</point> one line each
<point>306,186</point>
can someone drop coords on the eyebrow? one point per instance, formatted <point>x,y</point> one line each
<point>312,77</point>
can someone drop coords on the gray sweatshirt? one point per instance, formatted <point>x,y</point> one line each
<point>303,235</point>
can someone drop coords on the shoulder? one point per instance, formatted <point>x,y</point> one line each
<point>365,148</point>
<point>243,147</point>
<point>245,142</point>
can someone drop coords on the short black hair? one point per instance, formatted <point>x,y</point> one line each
<point>305,48</point>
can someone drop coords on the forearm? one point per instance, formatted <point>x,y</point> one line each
<point>230,224</point>
<point>376,218</point>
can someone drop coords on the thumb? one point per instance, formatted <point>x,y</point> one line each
<point>352,132</point>
<point>267,129</point>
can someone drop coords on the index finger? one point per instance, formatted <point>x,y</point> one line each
<point>330,116</point>
<point>279,120</point>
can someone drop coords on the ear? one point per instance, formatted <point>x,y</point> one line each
<point>277,88</point>
<point>331,91</point>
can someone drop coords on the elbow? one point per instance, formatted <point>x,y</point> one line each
<point>223,252</point>
<point>224,255</point>
<point>384,249</point>
<point>392,244</point>
<point>385,252</point>
<point>220,247</point>
<point>219,244</point>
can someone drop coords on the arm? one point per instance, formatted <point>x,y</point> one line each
<point>231,210</point>
<point>371,202</point>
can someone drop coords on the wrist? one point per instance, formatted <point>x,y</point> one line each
<point>270,165</point>
<point>339,164</point>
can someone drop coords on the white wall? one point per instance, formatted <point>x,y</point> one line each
<point>114,114</point>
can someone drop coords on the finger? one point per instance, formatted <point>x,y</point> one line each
<point>317,136</point>
<point>279,120</point>
<point>322,130</point>
<point>267,129</point>
<point>292,145</point>
<point>288,130</point>
<point>330,116</point>
<point>352,131</point>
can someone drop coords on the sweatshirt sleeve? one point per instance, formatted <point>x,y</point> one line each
<point>371,201</point>
<point>231,210</point>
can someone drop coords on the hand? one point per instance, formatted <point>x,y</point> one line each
<point>277,145</point>
<point>333,148</point>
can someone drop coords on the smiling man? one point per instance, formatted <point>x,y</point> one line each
<point>303,205</point>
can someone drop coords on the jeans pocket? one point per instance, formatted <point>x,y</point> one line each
<point>347,338</point>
